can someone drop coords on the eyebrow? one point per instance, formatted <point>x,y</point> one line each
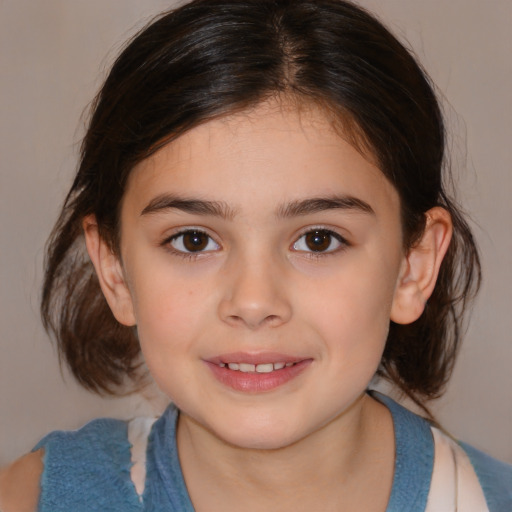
<point>220,209</point>
<point>319,204</point>
<point>196,206</point>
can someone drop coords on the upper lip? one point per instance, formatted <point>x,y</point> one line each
<point>255,358</point>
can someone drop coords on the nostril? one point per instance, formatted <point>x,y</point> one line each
<point>254,321</point>
<point>271,319</point>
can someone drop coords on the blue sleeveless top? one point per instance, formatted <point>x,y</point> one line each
<point>89,469</point>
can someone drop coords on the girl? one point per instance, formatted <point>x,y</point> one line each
<point>262,201</point>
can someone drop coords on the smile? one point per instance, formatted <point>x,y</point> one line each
<point>255,368</point>
<point>254,373</point>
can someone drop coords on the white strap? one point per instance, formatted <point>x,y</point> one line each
<point>455,486</point>
<point>138,433</point>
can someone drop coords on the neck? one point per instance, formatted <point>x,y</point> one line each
<point>351,453</point>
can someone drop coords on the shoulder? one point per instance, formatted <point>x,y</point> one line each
<point>94,445</point>
<point>61,453</point>
<point>495,478</point>
<point>20,483</point>
<point>89,465</point>
<point>99,431</point>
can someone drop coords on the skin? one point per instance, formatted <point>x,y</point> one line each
<point>257,286</point>
<point>255,293</point>
<point>19,483</point>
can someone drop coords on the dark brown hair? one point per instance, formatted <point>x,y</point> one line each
<point>214,57</point>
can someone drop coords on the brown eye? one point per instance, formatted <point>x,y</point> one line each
<point>318,240</point>
<point>193,241</point>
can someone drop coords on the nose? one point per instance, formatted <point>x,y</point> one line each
<point>255,295</point>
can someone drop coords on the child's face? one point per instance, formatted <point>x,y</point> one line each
<point>258,239</point>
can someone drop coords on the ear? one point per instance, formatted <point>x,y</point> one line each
<point>420,267</point>
<point>110,273</point>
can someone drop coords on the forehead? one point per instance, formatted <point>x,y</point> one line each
<point>272,153</point>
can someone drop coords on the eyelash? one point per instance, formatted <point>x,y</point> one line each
<point>333,235</point>
<point>192,255</point>
<point>186,254</point>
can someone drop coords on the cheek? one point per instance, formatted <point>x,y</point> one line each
<point>166,331</point>
<point>163,292</point>
<point>165,315</point>
<point>167,310</point>
<point>351,311</point>
<point>353,297</point>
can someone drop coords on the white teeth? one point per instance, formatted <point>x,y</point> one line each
<point>265,368</point>
<point>251,368</point>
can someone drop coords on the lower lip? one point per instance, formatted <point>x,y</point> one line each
<point>253,382</point>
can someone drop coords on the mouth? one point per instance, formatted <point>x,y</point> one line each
<point>256,373</point>
<point>256,368</point>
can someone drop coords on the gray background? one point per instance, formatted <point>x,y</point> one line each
<point>53,55</point>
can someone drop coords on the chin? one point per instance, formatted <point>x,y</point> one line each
<point>261,442</point>
<point>270,437</point>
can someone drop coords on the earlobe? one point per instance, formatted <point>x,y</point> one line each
<point>110,273</point>
<point>420,267</point>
